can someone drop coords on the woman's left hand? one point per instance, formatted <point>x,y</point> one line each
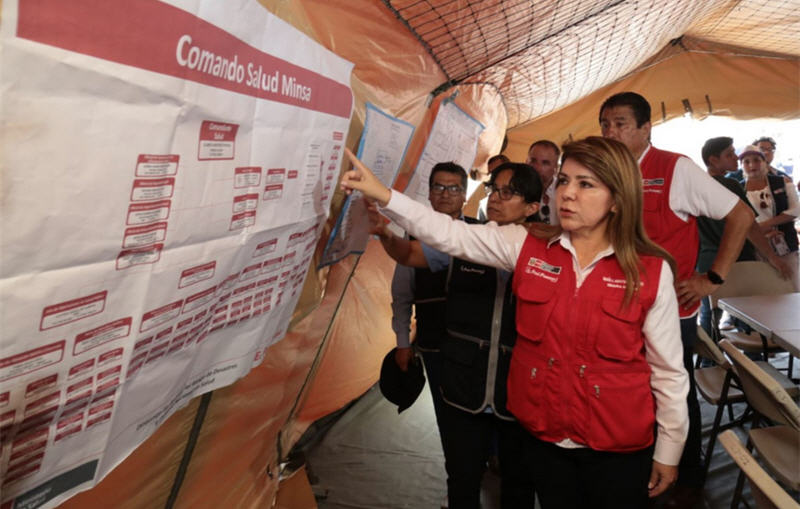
<point>661,477</point>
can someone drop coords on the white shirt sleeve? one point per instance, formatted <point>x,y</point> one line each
<point>487,244</point>
<point>695,193</point>
<point>668,380</point>
<point>793,208</point>
<point>402,300</point>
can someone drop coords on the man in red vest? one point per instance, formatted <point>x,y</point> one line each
<point>676,192</point>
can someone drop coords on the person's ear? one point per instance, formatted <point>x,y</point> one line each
<point>531,208</point>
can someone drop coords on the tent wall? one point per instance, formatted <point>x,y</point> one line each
<point>727,84</point>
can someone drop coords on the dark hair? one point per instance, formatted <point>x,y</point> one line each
<point>715,146</point>
<point>450,167</point>
<point>498,157</point>
<point>549,144</point>
<point>639,105</point>
<point>767,139</point>
<point>524,180</point>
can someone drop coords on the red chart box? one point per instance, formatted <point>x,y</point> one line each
<point>247,176</point>
<point>196,274</point>
<point>152,189</point>
<point>161,315</point>
<point>217,141</point>
<point>32,360</point>
<point>242,220</point>
<point>153,165</point>
<point>138,236</point>
<point>148,212</point>
<point>139,256</point>
<point>93,338</point>
<point>72,310</point>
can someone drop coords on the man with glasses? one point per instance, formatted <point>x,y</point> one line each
<point>476,345</point>
<point>420,287</point>
<point>767,147</point>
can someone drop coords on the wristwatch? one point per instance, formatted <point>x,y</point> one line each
<point>714,277</point>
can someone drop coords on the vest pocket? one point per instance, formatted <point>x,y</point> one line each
<point>622,410</point>
<point>526,390</point>
<point>464,372</point>
<point>535,303</point>
<point>619,334</point>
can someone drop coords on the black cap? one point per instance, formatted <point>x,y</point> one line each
<point>401,387</point>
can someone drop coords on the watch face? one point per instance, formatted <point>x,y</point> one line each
<point>714,277</point>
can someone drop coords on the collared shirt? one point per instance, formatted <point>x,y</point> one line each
<point>499,246</point>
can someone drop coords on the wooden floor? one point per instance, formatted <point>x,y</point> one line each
<point>373,458</point>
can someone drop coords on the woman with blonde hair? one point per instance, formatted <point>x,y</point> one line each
<point>597,364</point>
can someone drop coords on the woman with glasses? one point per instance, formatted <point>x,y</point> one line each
<point>476,350</point>
<point>598,362</point>
<point>774,199</point>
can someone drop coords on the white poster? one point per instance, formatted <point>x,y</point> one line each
<point>453,138</point>
<point>382,148</point>
<point>167,168</point>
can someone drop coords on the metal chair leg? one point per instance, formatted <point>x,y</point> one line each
<point>737,493</point>
<point>712,439</point>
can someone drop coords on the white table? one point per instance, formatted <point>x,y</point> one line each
<point>777,317</point>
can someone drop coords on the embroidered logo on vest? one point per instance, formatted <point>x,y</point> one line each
<point>472,270</point>
<point>649,184</point>
<point>538,267</point>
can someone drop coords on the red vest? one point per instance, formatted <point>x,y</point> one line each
<point>678,237</point>
<point>578,368</point>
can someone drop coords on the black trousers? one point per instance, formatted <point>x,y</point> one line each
<point>433,370</point>
<point>582,478</point>
<point>467,440</point>
<point>690,469</point>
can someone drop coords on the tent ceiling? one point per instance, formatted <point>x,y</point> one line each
<point>544,55</point>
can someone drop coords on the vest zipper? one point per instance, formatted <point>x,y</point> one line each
<point>494,341</point>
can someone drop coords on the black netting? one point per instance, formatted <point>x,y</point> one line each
<point>543,55</point>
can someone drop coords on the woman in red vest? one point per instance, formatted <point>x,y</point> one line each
<point>596,375</point>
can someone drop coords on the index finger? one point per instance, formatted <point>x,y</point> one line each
<point>355,160</point>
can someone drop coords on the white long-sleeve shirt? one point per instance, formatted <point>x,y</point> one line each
<point>499,246</point>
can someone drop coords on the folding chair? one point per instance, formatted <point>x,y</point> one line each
<point>767,493</point>
<point>720,387</point>
<point>778,445</point>
<point>744,279</point>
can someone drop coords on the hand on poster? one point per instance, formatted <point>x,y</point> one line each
<point>378,224</point>
<point>360,178</point>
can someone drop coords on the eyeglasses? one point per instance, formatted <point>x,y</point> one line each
<point>452,189</point>
<point>505,193</point>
